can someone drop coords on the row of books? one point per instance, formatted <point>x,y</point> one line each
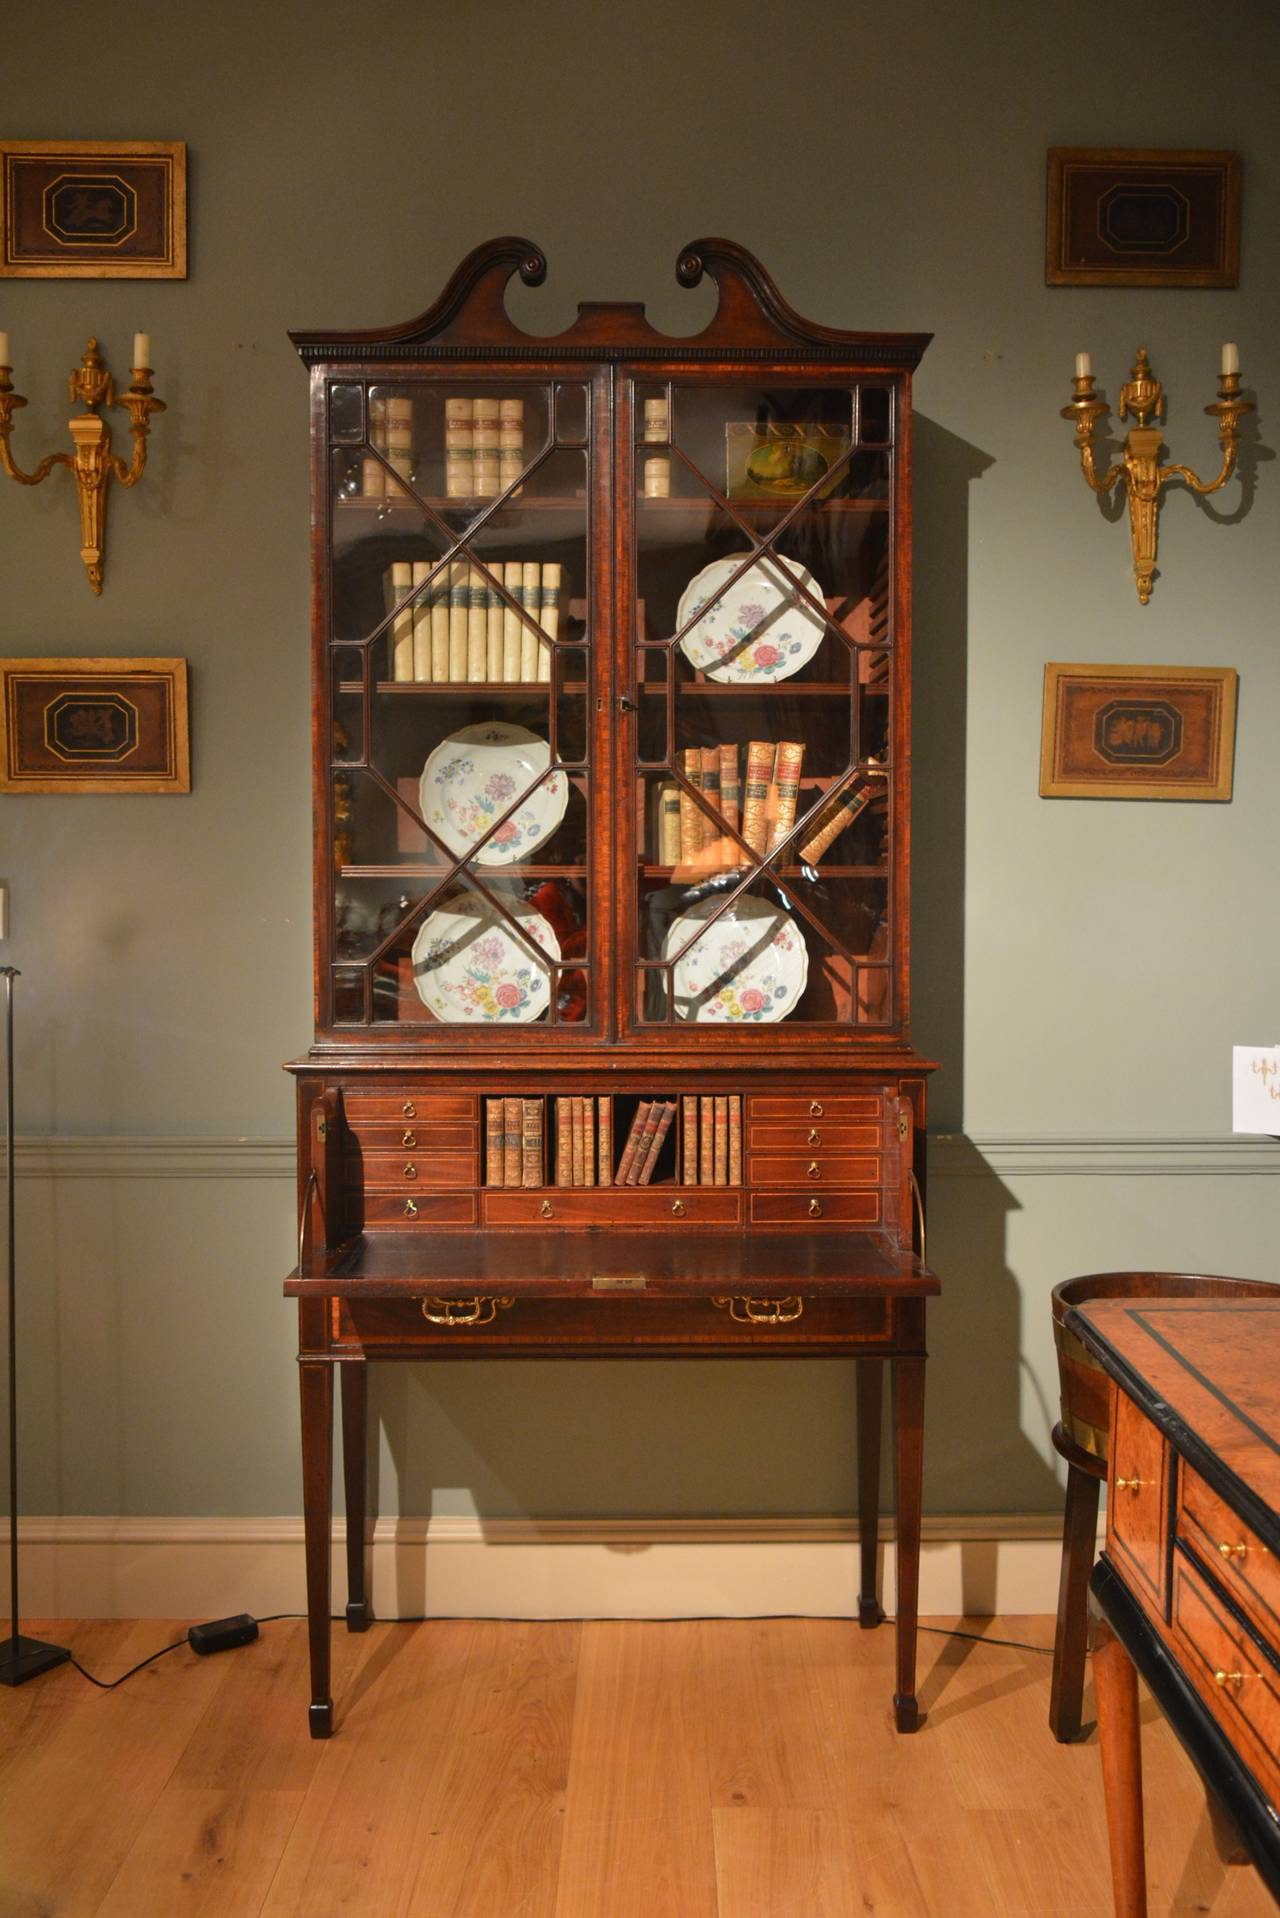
<point>761,808</point>
<point>515,1145</point>
<point>584,1140</point>
<point>711,1142</point>
<point>513,1139</point>
<point>483,446</point>
<point>458,629</point>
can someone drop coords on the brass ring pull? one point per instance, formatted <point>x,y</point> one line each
<point>409,1110</point>
<point>815,1208</point>
<point>761,1311</point>
<point>410,1139</point>
<point>1131,1484</point>
<point>547,1210</point>
<point>1237,1550</point>
<point>1234,1679</point>
<point>815,1137</point>
<point>677,1209</point>
<point>478,1311</point>
<point>813,1170</point>
<point>410,1209</point>
<point>815,1109</point>
<point>411,1171</point>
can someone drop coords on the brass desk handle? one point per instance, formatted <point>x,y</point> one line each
<point>410,1209</point>
<point>815,1109</point>
<point>1234,1679</point>
<point>813,1170</point>
<point>546,1210</point>
<point>815,1137</point>
<point>1237,1550</point>
<point>677,1209</point>
<point>411,1171</point>
<point>1132,1484</point>
<point>410,1139</point>
<point>815,1208</point>
<point>761,1311</point>
<point>409,1110</point>
<point>478,1311</point>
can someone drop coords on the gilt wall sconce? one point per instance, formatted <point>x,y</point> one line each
<point>93,462</point>
<point>1142,397</point>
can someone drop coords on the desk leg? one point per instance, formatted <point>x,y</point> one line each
<point>908,1460</point>
<point>317,1504</point>
<point>1079,1549</point>
<point>1115,1685</point>
<point>870,1389</point>
<point>355,1404</point>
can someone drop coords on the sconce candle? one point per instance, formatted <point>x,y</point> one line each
<point>142,349</point>
<point>4,350</point>
<point>1084,366</point>
<point>1230,357</point>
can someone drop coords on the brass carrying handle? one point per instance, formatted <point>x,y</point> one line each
<point>815,1208</point>
<point>477,1311</point>
<point>815,1137</point>
<point>761,1311</point>
<point>409,1110</point>
<point>918,1196</point>
<point>410,1139</point>
<point>1132,1484</point>
<point>1237,1550</point>
<point>410,1209</point>
<point>1234,1679</point>
<point>815,1109</point>
<point>312,1185</point>
<point>813,1170</point>
<point>411,1171</point>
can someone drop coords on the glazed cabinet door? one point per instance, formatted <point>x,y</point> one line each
<point>463,683</point>
<point>764,763</point>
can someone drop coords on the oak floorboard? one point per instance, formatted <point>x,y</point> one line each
<point>204,1854</point>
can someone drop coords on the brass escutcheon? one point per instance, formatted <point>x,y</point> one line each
<point>409,1110</point>
<point>815,1109</point>
<point>761,1311</point>
<point>815,1208</point>
<point>477,1311</point>
<point>409,1139</point>
<point>904,1126</point>
<point>814,1170</point>
<point>411,1171</point>
<point>815,1137</point>
<point>410,1209</point>
<point>322,1127</point>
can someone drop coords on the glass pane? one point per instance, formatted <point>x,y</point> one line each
<point>763,686</point>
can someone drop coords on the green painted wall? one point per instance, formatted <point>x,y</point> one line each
<point>1080,969</point>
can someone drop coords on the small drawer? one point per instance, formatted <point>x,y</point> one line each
<point>387,1107</point>
<point>810,1208</point>
<point>818,1105</point>
<point>808,1135</point>
<point>1235,1678</point>
<point>674,1206</point>
<point>812,1168</point>
<point>1247,1571</point>
<point>412,1169</point>
<point>415,1135</point>
<point>391,1211</point>
<point>1138,1501</point>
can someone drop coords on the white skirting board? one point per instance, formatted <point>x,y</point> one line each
<point>193,1568</point>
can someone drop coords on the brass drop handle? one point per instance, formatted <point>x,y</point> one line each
<point>411,1170</point>
<point>815,1109</point>
<point>761,1311</point>
<point>815,1208</point>
<point>478,1311</point>
<point>410,1139</point>
<point>410,1209</point>
<point>815,1137</point>
<point>813,1170</point>
<point>1234,1679</point>
<point>677,1209</point>
<point>547,1210</point>
<point>1237,1550</point>
<point>1132,1484</point>
<point>409,1110</point>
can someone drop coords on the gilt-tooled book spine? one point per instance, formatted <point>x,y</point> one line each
<point>786,781</point>
<point>493,611</point>
<point>721,1173</point>
<point>833,820</point>
<point>494,1141</point>
<point>373,480</point>
<point>633,1139</point>
<point>689,1139</point>
<point>706,1139</point>
<point>477,625</point>
<point>512,1118</point>
<point>548,618</point>
<point>402,626</point>
<point>690,811</point>
<point>485,432</point>
<point>755,794</point>
<point>400,435</point>
<point>669,824</point>
<point>735,1138</point>
<point>605,1129</point>
<point>459,608</point>
<point>579,1142</point>
<point>513,580</point>
<point>439,605</point>
<point>531,1142</point>
<point>531,599</point>
<point>588,1141</point>
<point>730,786</point>
<point>459,455</point>
<point>564,1141</point>
<point>421,620</point>
<point>666,1113</point>
<point>711,787</point>
<point>644,1150</point>
<point>510,442</point>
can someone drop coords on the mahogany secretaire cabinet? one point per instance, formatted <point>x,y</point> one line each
<point>611,643</point>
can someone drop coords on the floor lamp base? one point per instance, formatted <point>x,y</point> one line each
<point>24,1658</point>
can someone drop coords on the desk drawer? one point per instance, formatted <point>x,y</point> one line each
<point>393,1170</point>
<point>1138,1502</point>
<point>821,1105</point>
<point>1233,1676</point>
<point>672,1206</point>
<point>415,1135</point>
<point>807,1135</point>
<point>812,1208</point>
<point>387,1107</point>
<point>410,1212</point>
<point>1247,1571</point>
<point>813,1168</point>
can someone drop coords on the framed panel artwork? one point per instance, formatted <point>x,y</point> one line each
<point>1137,732</point>
<point>93,210</point>
<point>1142,216</point>
<point>94,726</point>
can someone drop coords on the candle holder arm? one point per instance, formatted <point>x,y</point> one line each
<point>9,404</point>
<point>141,404</point>
<point>1086,411</point>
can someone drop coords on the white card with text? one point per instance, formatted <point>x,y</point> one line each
<point>1255,1089</point>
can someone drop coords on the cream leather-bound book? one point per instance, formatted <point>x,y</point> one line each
<point>400,435</point>
<point>669,824</point>
<point>493,626</point>
<point>513,580</point>
<point>459,607</point>
<point>438,593</point>
<point>531,598</point>
<point>548,618</point>
<point>402,625</point>
<point>421,620</point>
<point>477,625</point>
<point>458,453</point>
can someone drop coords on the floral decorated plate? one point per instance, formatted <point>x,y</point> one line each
<point>749,967</point>
<point>471,968</point>
<point>760,630</point>
<point>472,777</point>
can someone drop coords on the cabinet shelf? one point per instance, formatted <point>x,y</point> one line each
<point>415,869</point>
<point>805,689</point>
<point>698,874</point>
<point>465,688</point>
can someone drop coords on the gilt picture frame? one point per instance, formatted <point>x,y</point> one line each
<point>94,726</point>
<point>93,209</point>
<point>1142,216</point>
<point>1137,732</point>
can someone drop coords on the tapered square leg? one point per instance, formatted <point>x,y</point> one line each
<point>1115,1684</point>
<point>317,1516</point>
<point>908,1460</point>
<point>355,1478</point>
<point>1070,1644</point>
<point>870,1391</point>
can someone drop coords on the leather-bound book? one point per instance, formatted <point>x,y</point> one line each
<point>711,787</point>
<point>477,625</point>
<point>588,1141</point>
<point>579,1141</point>
<point>755,794</point>
<point>706,1139</point>
<point>511,1141</point>
<point>459,612</point>
<point>786,795</point>
<point>690,811</point>
<point>833,820</point>
<point>513,580</point>
<point>633,1139</point>
<point>722,1139</point>
<point>730,787</point>
<point>644,1142</point>
<point>605,1128</point>
<point>666,1112</point>
<point>735,1138</point>
<point>564,1141</point>
<point>531,1142</point>
<point>689,1139</point>
<point>494,1141</point>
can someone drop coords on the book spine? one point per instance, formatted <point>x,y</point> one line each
<point>484,440</point>
<point>711,787</point>
<point>644,1145</point>
<point>459,453</point>
<point>564,1141</point>
<point>477,625</point>
<point>689,1139</point>
<point>579,1143</point>
<point>548,618</point>
<point>690,811</point>
<point>494,1141</point>
<point>400,435</point>
<point>512,1120</point>
<point>373,482</point>
<point>493,611</point>
<point>588,1141</point>
<point>531,599</point>
<point>755,794</point>
<point>439,603</point>
<point>510,442</point>
<point>459,605</point>
<point>669,824</point>
<point>402,626</point>
<point>421,620</point>
<point>786,778</point>
<point>730,786</point>
<point>513,581</point>
<point>666,1113</point>
<point>531,1142</point>
<point>605,1128</point>
<point>735,1138</point>
<point>633,1139</point>
<point>833,820</point>
<point>706,1139</point>
<point>721,1139</point>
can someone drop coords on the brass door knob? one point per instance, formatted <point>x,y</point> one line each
<point>815,1137</point>
<point>1131,1484</point>
<point>409,1139</point>
<point>410,1209</point>
<point>815,1109</point>
<point>409,1110</point>
<point>411,1171</point>
<point>815,1208</point>
<point>1237,1550</point>
<point>1234,1679</point>
<point>813,1170</point>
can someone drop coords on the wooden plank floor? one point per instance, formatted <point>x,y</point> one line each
<point>696,1769</point>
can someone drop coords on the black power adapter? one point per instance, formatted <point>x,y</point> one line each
<point>222,1633</point>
